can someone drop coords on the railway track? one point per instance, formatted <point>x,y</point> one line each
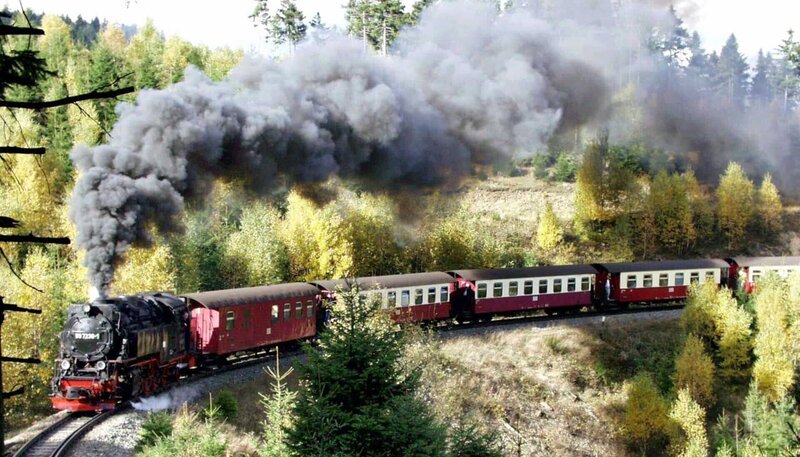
<point>57,439</point>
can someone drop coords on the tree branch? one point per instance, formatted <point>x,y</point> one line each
<point>11,267</point>
<point>67,100</point>
<point>11,30</point>
<point>18,150</point>
<point>30,238</point>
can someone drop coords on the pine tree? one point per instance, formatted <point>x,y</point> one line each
<point>355,398</point>
<point>549,233</point>
<point>761,90</point>
<point>733,73</point>
<point>278,410</point>
<point>379,21</point>
<point>770,208</point>
<point>288,24</point>
<point>260,16</point>
<point>694,371</point>
<point>735,204</point>
<point>417,8</point>
<point>316,23</point>
<point>691,418</point>
<point>788,74</point>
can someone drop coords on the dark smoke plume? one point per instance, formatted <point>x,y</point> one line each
<point>484,89</point>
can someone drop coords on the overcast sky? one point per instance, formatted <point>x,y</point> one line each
<point>757,25</point>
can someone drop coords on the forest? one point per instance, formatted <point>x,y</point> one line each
<point>676,169</point>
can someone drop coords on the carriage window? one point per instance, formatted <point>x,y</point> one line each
<point>678,279</point>
<point>756,275</point>
<point>710,276</point>
<point>571,284</point>
<point>557,285</point>
<point>391,297</point>
<point>230,320</point>
<point>309,309</point>
<point>405,298</point>
<point>378,297</point>
<point>431,295</point>
<point>528,288</point>
<point>298,310</point>
<point>443,294</point>
<point>513,289</point>
<point>287,311</point>
<point>418,296</point>
<point>274,313</point>
<point>585,283</point>
<point>694,276</point>
<point>497,289</point>
<point>482,290</point>
<point>647,281</point>
<point>663,280</point>
<point>631,284</point>
<point>542,286</point>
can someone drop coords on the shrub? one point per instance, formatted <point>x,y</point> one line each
<point>691,418</point>
<point>565,168</point>
<point>466,440</point>
<point>156,426</point>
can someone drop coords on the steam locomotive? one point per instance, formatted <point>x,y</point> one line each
<point>120,348</point>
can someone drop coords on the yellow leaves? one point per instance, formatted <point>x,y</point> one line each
<point>716,318</point>
<point>646,423</point>
<point>691,417</point>
<point>56,43</point>
<point>734,203</point>
<point>773,371</point>
<point>694,371</point>
<point>549,233</point>
<point>145,269</point>
<point>113,38</point>
<point>769,206</point>
<point>256,248</point>
<point>667,207</point>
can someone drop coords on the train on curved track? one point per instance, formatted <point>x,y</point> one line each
<point>116,349</point>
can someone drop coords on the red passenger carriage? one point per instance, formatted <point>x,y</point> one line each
<point>509,290</point>
<point>415,297</point>
<point>228,321</point>
<point>746,271</point>
<point>656,280</point>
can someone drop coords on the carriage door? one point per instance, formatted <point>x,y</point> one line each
<point>230,331</point>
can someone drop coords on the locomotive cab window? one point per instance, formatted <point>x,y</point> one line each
<point>431,295</point>
<point>287,311</point>
<point>298,310</point>
<point>513,289</point>
<point>585,283</point>
<point>663,280</point>
<point>482,290</point>
<point>542,286</point>
<point>528,288</point>
<point>631,284</point>
<point>275,313</point>
<point>405,298</point>
<point>230,320</point>
<point>571,284</point>
<point>443,295</point>
<point>678,279</point>
<point>497,289</point>
<point>557,285</point>
<point>418,297</point>
<point>647,280</point>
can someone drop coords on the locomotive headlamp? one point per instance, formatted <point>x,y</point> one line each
<point>65,364</point>
<point>101,365</point>
<point>86,308</point>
